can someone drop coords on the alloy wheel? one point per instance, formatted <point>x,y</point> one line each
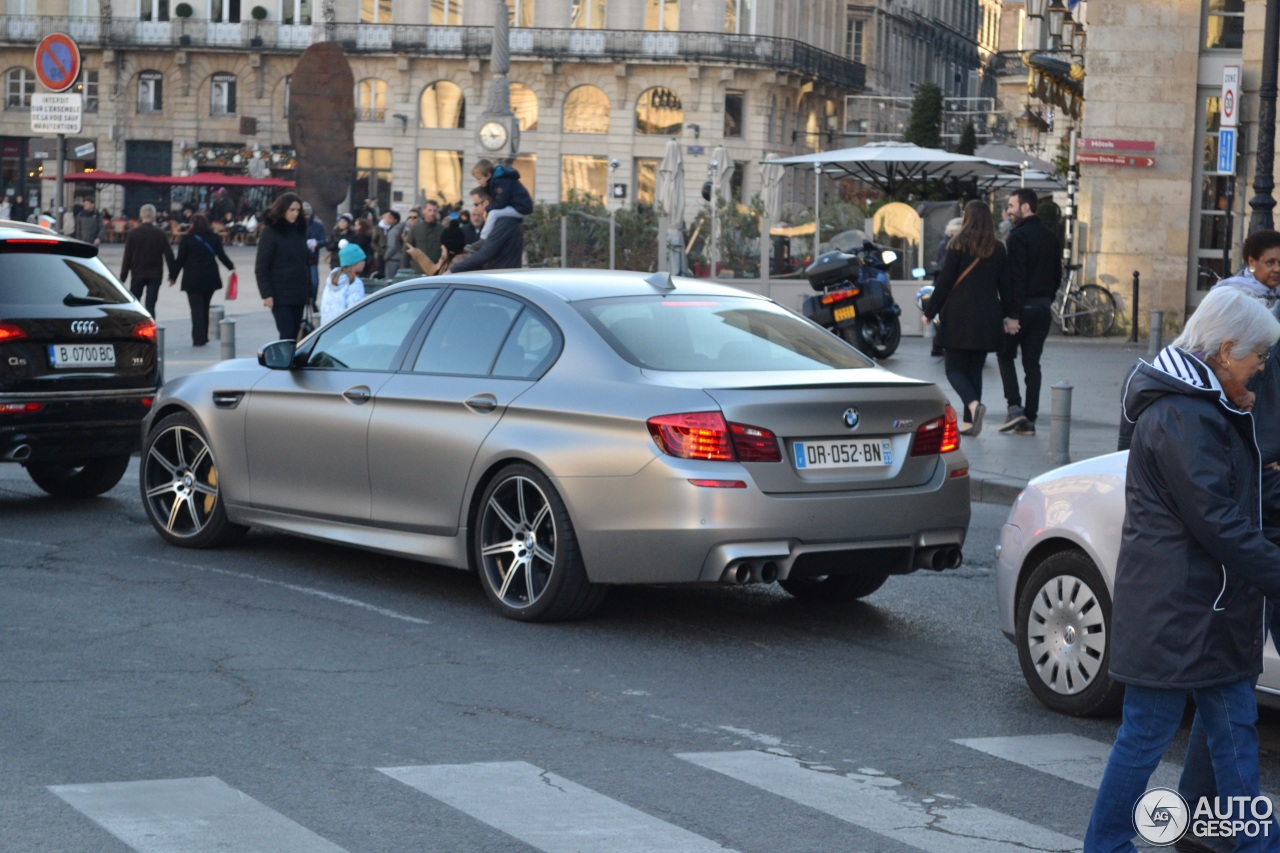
<point>518,542</point>
<point>180,481</point>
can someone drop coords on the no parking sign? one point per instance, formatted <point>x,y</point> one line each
<point>58,62</point>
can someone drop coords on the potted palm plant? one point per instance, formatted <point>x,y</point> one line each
<point>183,11</point>
<point>259,15</point>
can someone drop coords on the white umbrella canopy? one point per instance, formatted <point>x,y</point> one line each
<point>771,194</point>
<point>670,198</point>
<point>724,172</point>
<point>893,165</point>
<point>670,189</point>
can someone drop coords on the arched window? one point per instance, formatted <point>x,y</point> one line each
<point>659,112</point>
<point>524,103</point>
<point>443,106</point>
<point>586,110</point>
<point>19,86</point>
<point>371,100</point>
<point>150,92</point>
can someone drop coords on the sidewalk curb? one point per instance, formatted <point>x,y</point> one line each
<point>995,489</point>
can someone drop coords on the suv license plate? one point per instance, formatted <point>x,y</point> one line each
<point>82,355</point>
<point>862,453</point>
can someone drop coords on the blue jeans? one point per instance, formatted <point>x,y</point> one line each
<point>1228,713</point>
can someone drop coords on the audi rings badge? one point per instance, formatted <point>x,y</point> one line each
<point>84,327</point>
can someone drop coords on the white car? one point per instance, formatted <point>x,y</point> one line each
<point>1055,568</point>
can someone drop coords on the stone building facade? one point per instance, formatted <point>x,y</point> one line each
<point>592,81</point>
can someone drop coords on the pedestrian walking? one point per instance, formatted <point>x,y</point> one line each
<point>88,224</point>
<point>315,239</point>
<point>199,252</point>
<point>18,209</point>
<point>1193,566</point>
<point>393,248</point>
<point>973,297</point>
<point>148,255</point>
<point>1035,271</point>
<point>281,264</point>
<point>1260,277</point>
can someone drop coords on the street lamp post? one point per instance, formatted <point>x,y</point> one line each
<point>1263,202</point>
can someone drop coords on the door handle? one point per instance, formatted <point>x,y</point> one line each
<point>482,403</point>
<point>358,395</point>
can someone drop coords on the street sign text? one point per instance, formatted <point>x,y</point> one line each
<point>1115,145</point>
<point>56,113</point>
<point>1116,160</point>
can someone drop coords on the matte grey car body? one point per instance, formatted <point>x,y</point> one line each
<point>403,456</point>
<point>1055,569</point>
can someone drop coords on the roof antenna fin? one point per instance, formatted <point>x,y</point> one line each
<point>661,280</point>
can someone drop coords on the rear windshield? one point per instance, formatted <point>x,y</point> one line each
<point>39,278</point>
<point>697,333</point>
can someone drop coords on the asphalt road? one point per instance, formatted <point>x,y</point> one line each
<point>287,695</point>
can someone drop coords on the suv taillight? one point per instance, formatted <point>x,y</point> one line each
<point>940,435</point>
<point>10,332</point>
<point>706,435</point>
<point>145,330</point>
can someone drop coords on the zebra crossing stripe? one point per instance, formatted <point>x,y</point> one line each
<point>547,811</point>
<point>939,823</point>
<point>1066,756</point>
<point>201,815</point>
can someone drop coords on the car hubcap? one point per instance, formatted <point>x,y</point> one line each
<point>1066,634</point>
<point>518,542</point>
<point>181,481</point>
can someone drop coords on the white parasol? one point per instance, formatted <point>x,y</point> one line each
<point>669,195</point>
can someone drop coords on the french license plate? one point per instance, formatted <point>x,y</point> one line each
<point>860,453</point>
<point>847,312</point>
<point>82,355</point>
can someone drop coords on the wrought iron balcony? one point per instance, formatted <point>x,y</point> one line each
<point>778,54</point>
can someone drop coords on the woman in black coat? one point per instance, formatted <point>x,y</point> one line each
<point>198,256</point>
<point>282,265</point>
<point>1193,567</point>
<point>974,296</point>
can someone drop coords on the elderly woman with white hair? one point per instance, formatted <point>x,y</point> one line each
<point>1193,567</point>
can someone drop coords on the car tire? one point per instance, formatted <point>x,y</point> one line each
<point>86,480</point>
<point>1063,636</point>
<point>834,588</point>
<point>526,552</point>
<point>179,483</point>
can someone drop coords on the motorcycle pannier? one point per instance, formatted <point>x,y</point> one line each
<point>875,297</point>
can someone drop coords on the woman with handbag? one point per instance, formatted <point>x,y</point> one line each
<point>973,295</point>
<point>199,252</point>
<point>282,265</point>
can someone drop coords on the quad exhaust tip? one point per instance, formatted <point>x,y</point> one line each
<point>18,453</point>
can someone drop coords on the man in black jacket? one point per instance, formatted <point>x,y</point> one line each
<point>1035,268</point>
<point>147,257</point>
<point>504,247</point>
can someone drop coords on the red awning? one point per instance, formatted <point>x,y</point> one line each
<point>134,179</point>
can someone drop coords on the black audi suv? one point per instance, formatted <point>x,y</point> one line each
<point>78,363</point>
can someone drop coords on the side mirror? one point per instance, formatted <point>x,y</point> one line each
<point>919,272</point>
<point>278,355</point>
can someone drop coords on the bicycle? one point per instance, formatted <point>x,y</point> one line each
<point>1085,309</point>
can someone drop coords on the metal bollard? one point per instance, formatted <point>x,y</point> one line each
<point>160,353</point>
<point>1060,424</point>
<point>1133,336</point>
<point>227,332</point>
<point>1155,337</point>
<point>216,313</point>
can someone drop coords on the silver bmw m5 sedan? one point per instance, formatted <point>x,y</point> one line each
<point>562,431</point>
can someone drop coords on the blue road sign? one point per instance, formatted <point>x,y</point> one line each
<point>1227,151</point>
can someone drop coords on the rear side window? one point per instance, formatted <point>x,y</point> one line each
<point>716,333</point>
<point>465,339</point>
<point>31,278</point>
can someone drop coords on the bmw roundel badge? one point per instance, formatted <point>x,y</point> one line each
<point>851,417</point>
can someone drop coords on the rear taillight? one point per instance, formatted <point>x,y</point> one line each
<point>705,435</point>
<point>10,332</point>
<point>940,435</point>
<point>754,444</point>
<point>20,408</point>
<point>145,330</point>
<point>840,295</point>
